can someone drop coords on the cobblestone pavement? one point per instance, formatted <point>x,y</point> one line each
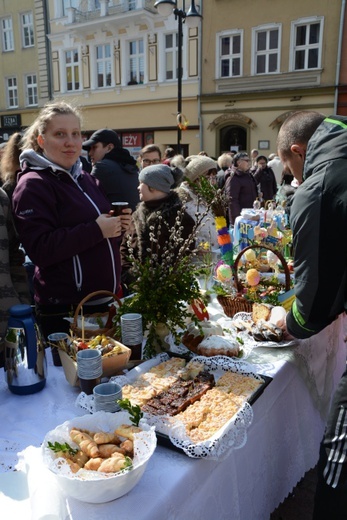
<point>299,504</point>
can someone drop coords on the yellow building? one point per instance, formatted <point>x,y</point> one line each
<point>245,67</point>
<point>24,64</point>
<point>261,61</point>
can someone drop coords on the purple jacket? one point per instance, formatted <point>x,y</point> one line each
<point>55,215</point>
<point>241,192</point>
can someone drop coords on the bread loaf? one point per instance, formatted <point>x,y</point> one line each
<point>261,311</point>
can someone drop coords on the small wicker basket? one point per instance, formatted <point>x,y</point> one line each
<point>233,304</point>
<point>88,333</point>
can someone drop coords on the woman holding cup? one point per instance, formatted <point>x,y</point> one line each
<point>63,220</point>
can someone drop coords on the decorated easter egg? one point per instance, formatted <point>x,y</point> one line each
<point>224,273</point>
<point>272,259</point>
<point>252,277</point>
<point>250,255</point>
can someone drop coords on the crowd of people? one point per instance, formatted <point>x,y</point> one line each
<point>55,208</point>
<point>61,189</point>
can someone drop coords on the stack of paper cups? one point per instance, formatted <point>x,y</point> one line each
<point>89,369</point>
<point>106,396</point>
<point>132,333</point>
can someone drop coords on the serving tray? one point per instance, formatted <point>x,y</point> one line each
<point>233,434</point>
<point>164,440</point>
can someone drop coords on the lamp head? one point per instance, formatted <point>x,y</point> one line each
<point>193,16</point>
<point>165,7</point>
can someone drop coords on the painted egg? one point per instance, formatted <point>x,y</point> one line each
<point>250,255</point>
<point>252,277</point>
<point>224,273</point>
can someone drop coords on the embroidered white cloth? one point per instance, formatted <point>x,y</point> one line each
<point>250,482</point>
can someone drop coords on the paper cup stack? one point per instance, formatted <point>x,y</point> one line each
<point>106,396</point>
<point>132,333</point>
<point>89,369</point>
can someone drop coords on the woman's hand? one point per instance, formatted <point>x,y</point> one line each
<point>110,226</point>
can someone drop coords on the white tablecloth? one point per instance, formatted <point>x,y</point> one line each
<point>282,444</point>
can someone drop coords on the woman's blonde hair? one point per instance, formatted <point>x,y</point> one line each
<point>56,108</point>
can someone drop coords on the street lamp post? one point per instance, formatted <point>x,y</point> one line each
<point>165,8</point>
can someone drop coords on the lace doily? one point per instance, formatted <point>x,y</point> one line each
<point>144,443</point>
<point>247,316</point>
<point>232,435</point>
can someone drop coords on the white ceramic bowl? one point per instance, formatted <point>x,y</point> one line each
<point>97,487</point>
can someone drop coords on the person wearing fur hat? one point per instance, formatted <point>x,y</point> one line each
<point>240,186</point>
<point>198,166</point>
<point>158,197</point>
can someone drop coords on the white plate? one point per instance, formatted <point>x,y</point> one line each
<point>247,316</point>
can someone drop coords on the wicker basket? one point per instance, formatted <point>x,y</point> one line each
<point>233,304</point>
<point>88,333</point>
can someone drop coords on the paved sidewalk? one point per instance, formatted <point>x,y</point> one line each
<point>299,504</point>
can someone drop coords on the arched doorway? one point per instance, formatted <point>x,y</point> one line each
<point>233,137</point>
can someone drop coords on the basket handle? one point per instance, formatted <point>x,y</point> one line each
<point>88,297</point>
<point>238,284</point>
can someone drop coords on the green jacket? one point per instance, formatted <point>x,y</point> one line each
<point>319,221</point>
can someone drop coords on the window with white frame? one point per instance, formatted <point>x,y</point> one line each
<point>72,70</point>
<point>7,34</point>
<point>230,55</point>
<point>307,39</point>
<point>12,92</point>
<point>136,62</point>
<point>27,29</point>
<point>171,56</point>
<point>31,90</point>
<point>70,3</point>
<point>267,48</point>
<point>104,65</point>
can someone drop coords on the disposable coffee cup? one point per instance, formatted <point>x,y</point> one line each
<point>117,208</point>
<point>106,396</point>
<point>132,333</point>
<point>89,369</point>
<point>58,341</point>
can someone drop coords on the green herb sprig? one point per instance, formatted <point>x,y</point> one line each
<point>133,410</point>
<point>56,447</point>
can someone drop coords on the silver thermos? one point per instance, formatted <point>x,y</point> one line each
<point>25,361</point>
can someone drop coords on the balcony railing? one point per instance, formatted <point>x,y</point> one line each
<point>85,12</point>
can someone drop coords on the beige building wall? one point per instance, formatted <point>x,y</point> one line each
<point>257,103</point>
<point>20,61</point>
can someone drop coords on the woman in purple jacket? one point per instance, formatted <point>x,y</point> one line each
<point>63,220</point>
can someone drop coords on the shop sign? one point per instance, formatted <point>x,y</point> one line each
<point>132,140</point>
<point>10,121</point>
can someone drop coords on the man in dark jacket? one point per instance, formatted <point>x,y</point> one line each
<point>314,148</point>
<point>114,167</point>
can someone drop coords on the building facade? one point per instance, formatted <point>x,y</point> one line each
<point>118,60</point>
<point>24,64</point>
<point>262,61</point>
<point>247,65</point>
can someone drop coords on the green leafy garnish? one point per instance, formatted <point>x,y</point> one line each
<point>240,340</point>
<point>56,447</point>
<point>133,410</point>
<point>128,462</point>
